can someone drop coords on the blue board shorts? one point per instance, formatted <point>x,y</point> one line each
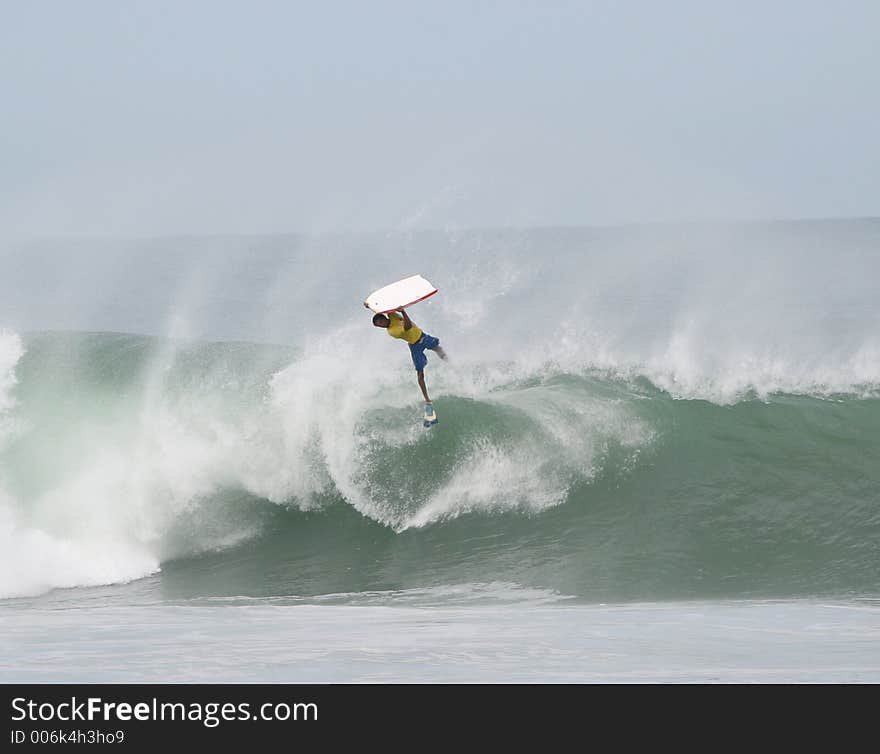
<point>417,350</point>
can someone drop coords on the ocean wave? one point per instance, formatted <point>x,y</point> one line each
<point>132,452</point>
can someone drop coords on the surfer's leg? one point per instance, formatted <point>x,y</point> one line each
<point>420,361</point>
<point>421,375</point>
<point>417,351</point>
<point>433,344</point>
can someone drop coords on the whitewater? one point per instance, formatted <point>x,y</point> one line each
<point>657,443</point>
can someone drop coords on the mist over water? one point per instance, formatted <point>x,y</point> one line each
<point>654,412</point>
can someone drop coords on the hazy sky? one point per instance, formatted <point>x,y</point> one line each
<point>143,118</point>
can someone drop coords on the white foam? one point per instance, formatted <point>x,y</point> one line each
<point>34,561</point>
<point>568,438</point>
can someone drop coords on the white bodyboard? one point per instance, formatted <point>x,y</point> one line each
<point>399,295</point>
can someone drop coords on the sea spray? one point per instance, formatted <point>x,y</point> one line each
<point>626,411</point>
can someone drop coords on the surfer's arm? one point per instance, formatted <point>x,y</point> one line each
<point>407,322</point>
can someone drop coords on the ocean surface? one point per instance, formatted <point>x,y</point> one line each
<point>658,458</point>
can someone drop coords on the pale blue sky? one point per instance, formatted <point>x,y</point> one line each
<point>153,118</point>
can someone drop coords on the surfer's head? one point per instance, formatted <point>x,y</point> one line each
<point>380,320</point>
